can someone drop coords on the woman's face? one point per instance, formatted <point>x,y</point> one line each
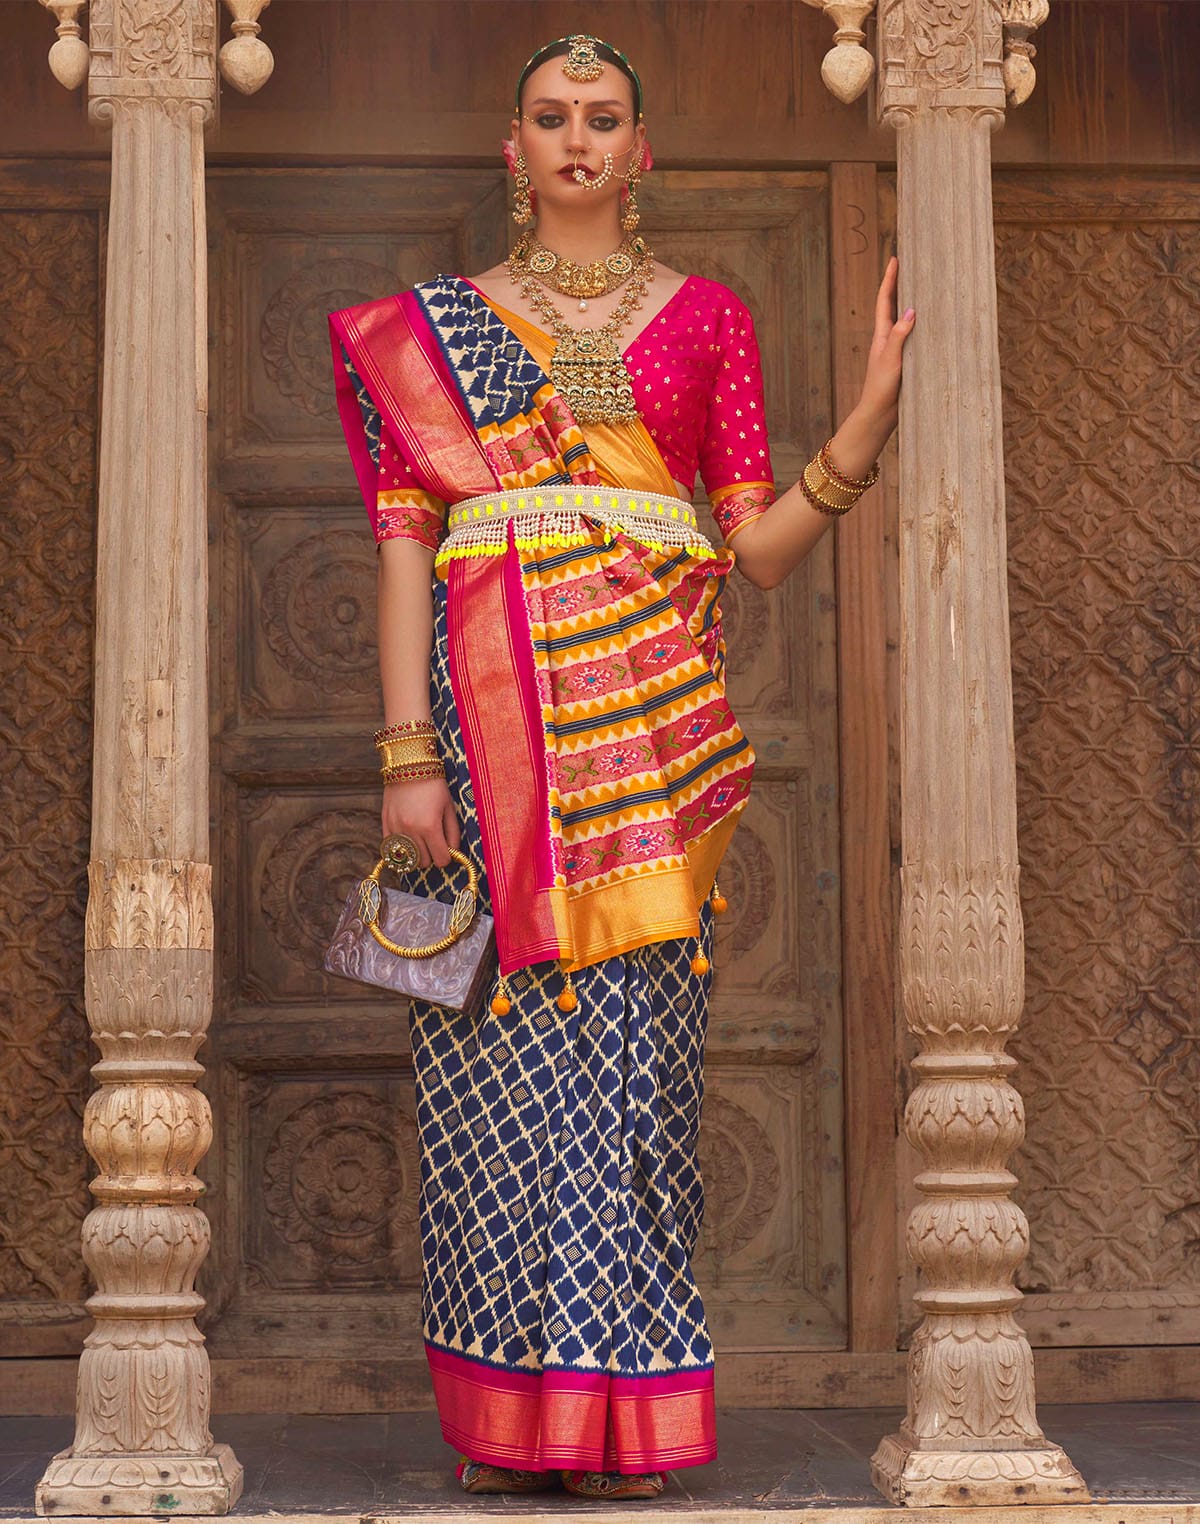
<point>564,122</point>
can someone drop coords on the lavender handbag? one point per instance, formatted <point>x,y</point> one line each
<point>441,953</point>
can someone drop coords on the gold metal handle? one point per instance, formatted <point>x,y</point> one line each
<point>399,853</point>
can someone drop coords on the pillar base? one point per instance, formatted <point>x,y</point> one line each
<point>142,1482</point>
<point>904,1473</point>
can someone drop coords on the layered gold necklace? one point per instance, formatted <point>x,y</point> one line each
<point>563,275</point>
<point>587,366</point>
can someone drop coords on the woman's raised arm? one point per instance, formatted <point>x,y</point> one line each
<point>773,544</point>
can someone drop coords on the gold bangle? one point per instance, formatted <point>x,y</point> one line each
<point>827,489</point>
<point>835,510</point>
<point>401,728</point>
<point>850,483</point>
<point>403,771</point>
<point>409,749</point>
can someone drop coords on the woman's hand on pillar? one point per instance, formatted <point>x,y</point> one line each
<point>881,387</point>
<point>422,808</point>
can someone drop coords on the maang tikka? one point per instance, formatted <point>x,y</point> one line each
<point>582,63</point>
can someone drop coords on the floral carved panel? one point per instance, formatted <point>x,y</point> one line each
<point>1102,395</point>
<point>334,1168</point>
<point>49,360</point>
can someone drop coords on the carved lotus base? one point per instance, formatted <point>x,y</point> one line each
<point>140,1483</point>
<point>974,1478</point>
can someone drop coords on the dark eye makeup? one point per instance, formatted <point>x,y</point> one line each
<point>551,120</point>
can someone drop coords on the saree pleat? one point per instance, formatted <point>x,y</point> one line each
<point>561,1195</point>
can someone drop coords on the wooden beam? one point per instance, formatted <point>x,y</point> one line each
<point>868,950</point>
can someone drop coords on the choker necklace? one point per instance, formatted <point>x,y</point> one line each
<point>566,277</point>
<point>588,368</point>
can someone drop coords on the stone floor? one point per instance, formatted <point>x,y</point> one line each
<point>1134,1453</point>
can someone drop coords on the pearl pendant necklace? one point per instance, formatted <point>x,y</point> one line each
<point>583,306</point>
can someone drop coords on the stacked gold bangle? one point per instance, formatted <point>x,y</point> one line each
<point>828,489</point>
<point>408,749</point>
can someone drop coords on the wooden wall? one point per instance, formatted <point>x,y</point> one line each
<point>1093,226</point>
<point>726,81</point>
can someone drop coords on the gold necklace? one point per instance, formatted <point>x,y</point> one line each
<point>563,275</point>
<point>587,367</point>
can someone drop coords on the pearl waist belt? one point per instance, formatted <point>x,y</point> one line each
<point>565,516</point>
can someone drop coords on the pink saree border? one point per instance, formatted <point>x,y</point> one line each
<point>590,1420</point>
<point>493,681</point>
<point>397,357</point>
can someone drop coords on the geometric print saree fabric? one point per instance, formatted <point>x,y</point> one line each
<point>561,1196</point>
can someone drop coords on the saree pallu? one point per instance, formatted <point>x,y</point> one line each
<point>561,1195</point>
<point>587,667</point>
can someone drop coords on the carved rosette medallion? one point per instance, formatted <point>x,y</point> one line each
<point>747,880</point>
<point>318,612</point>
<point>295,328</point>
<point>339,1176</point>
<point>310,872</point>
<point>741,1176</point>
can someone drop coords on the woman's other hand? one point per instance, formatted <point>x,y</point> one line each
<point>881,387</point>
<point>422,808</point>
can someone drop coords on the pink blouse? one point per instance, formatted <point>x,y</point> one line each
<point>697,381</point>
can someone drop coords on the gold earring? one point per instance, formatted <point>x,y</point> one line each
<point>631,214</point>
<point>522,203</point>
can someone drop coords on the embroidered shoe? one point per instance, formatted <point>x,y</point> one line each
<point>614,1486</point>
<point>480,1477</point>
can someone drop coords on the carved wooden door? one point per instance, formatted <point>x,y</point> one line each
<point>51,237</point>
<point>314,1190</point>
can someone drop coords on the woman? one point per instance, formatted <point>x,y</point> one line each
<point>552,666</point>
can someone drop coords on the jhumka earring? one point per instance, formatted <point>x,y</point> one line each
<point>522,202</point>
<point>631,214</point>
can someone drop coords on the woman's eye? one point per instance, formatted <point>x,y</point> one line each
<point>549,119</point>
<point>604,123</point>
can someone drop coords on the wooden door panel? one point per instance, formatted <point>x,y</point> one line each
<point>315,1245</point>
<point>1101,288</point>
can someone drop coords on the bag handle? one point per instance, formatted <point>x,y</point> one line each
<point>399,853</point>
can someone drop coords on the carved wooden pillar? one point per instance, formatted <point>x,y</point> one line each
<point>142,1442</point>
<point>971,1433</point>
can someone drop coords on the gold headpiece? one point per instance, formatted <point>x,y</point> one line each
<point>582,64</point>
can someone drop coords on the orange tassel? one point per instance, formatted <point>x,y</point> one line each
<point>699,964</point>
<point>501,1004</point>
<point>568,1000</point>
<point>719,903</point>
